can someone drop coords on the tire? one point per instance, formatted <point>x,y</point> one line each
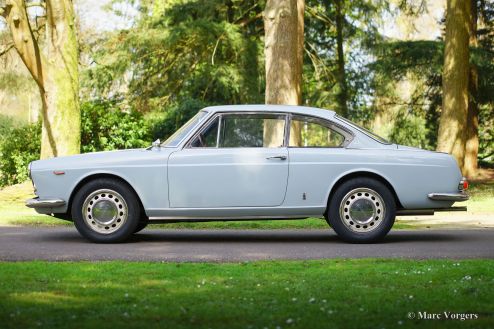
<point>106,210</point>
<point>361,210</point>
<point>142,225</point>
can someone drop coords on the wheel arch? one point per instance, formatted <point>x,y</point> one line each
<point>363,173</point>
<point>93,176</point>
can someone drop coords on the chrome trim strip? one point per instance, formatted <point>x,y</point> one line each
<point>206,123</point>
<point>44,203</point>
<point>211,218</point>
<point>448,196</point>
<point>330,124</point>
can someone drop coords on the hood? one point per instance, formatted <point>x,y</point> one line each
<point>103,159</point>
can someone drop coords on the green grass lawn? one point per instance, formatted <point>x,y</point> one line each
<point>13,212</point>
<point>346,294</point>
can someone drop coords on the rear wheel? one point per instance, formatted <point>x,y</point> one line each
<point>106,211</point>
<point>361,210</point>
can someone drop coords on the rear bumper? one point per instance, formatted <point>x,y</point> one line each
<point>425,212</point>
<point>461,196</point>
<point>44,203</point>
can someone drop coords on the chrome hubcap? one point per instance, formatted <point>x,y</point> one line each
<point>362,210</point>
<point>105,211</point>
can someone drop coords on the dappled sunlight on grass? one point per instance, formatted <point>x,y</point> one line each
<point>43,297</point>
<point>482,196</point>
<point>301,294</point>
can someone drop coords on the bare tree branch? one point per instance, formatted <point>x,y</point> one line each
<point>25,43</point>
<point>6,49</point>
<point>248,20</point>
<point>320,16</point>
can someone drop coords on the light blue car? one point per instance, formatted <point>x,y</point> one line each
<point>250,162</point>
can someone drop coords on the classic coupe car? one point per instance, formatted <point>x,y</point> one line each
<point>250,162</point>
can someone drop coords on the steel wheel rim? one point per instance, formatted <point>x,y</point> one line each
<point>105,211</point>
<point>362,210</point>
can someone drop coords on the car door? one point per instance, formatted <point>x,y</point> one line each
<point>317,156</point>
<point>234,160</point>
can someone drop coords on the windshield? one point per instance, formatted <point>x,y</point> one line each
<point>363,130</point>
<point>180,134</point>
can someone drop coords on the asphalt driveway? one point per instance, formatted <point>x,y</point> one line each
<point>64,243</point>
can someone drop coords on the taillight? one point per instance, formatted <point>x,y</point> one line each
<point>463,184</point>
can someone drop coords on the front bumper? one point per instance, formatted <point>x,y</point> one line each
<point>44,203</point>
<point>460,196</point>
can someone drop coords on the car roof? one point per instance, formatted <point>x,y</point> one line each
<point>272,108</point>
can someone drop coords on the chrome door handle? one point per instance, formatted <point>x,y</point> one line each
<point>280,157</point>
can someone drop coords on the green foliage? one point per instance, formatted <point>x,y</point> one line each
<point>360,32</point>
<point>423,61</point>
<point>486,136</point>
<point>410,130</point>
<point>18,147</point>
<point>106,127</point>
<point>6,124</point>
<point>208,51</point>
<point>164,124</point>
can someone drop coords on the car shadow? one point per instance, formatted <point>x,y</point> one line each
<point>233,236</point>
<point>258,236</point>
<point>274,236</point>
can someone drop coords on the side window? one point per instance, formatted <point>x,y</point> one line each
<point>208,137</point>
<point>252,130</point>
<point>309,132</point>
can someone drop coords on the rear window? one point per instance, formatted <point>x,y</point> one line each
<point>363,130</point>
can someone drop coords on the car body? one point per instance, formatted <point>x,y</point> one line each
<point>252,162</point>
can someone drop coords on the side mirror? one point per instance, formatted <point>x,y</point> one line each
<point>156,143</point>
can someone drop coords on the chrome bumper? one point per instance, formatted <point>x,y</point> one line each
<point>461,196</point>
<point>44,203</point>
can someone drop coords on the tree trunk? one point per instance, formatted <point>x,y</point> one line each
<point>283,25</point>
<point>61,125</point>
<point>56,73</point>
<point>341,76</point>
<point>284,46</point>
<point>472,131</point>
<point>452,124</point>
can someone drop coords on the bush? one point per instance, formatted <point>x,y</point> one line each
<point>486,137</point>
<point>6,123</point>
<point>105,127</point>
<point>18,147</point>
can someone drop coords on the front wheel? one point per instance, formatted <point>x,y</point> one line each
<point>361,210</point>
<point>106,211</point>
